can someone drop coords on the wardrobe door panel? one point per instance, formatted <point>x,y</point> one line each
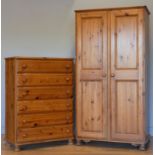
<point>92,105</point>
<point>126,107</point>
<point>92,39</point>
<point>91,75</point>
<point>126,46</point>
<point>126,76</point>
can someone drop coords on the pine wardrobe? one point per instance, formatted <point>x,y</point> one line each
<point>111,52</point>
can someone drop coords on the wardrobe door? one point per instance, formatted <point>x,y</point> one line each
<point>91,75</point>
<point>127,102</point>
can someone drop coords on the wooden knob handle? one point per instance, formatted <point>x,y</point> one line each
<point>24,66</point>
<point>67,117</point>
<point>24,135</point>
<point>67,104</point>
<point>67,92</point>
<point>24,80</point>
<point>24,121</point>
<point>68,130</point>
<point>104,75</point>
<point>126,14</point>
<point>25,93</point>
<point>112,75</point>
<point>92,101</point>
<point>67,66</point>
<point>35,124</point>
<point>23,108</point>
<point>67,78</point>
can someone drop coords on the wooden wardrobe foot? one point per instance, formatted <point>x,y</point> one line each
<point>78,142</point>
<point>86,141</point>
<point>70,141</point>
<point>135,145</point>
<point>142,147</point>
<point>17,148</point>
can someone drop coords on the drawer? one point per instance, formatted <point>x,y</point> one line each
<point>53,92</point>
<point>45,133</point>
<point>37,79</point>
<point>38,120</point>
<point>34,106</point>
<point>44,66</point>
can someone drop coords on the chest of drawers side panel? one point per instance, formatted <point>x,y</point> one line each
<point>10,114</point>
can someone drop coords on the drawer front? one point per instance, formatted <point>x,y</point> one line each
<point>31,79</point>
<point>38,120</point>
<point>44,66</point>
<point>34,106</point>
<point>54,92</point>
<point>44,133</point>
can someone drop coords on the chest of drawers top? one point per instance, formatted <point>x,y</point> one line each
<point>42,65</point>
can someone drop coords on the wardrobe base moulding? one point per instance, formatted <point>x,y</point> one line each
<point>138,145</point>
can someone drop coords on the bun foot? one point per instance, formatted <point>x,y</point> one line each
<point>142,147</point>
<point>70,141</point>
<point>78,142</point>
<point>17,148</point>
<point>135,145</point>
<point>86,141</point>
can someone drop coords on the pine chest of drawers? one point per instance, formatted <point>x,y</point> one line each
<point>39,100</point>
